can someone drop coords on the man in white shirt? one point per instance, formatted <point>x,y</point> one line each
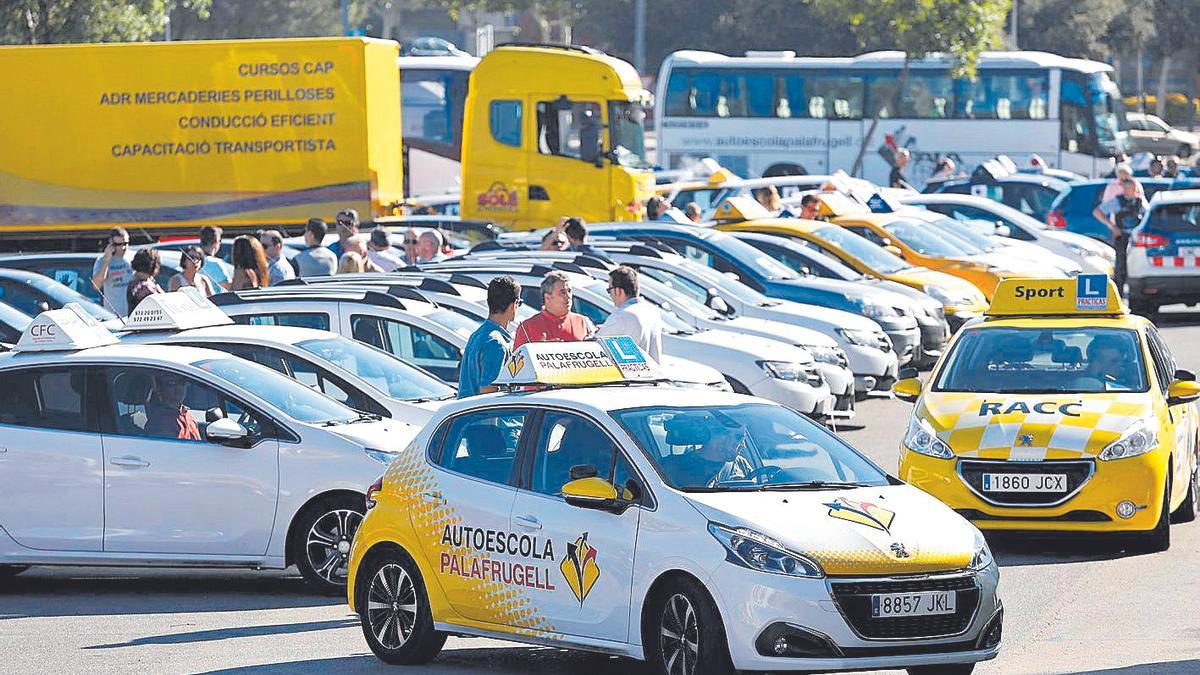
<point>379,251</point>
<point>279,269</point>
<point>634,317</point>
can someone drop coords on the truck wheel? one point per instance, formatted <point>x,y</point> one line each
<point>1187,511</point>
<point>687,635</point>
<point>321,541</point>
<point>944,669</point>
<point>393,608</point>
<point>1158,539</point>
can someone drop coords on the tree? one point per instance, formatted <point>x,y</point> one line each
<point>55,21</point>
<point>540,11</point>
<point>1175,23</point>
<point>1068,27</point>
<point>960,28</point>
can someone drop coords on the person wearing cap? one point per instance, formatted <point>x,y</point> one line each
<point>429,247</point>
<point>556,322</point>
<point>1116,187</point>
<point>379,251</point>
<point>347,226</point>
<point>316,260</point>
<point>112,272</point>
<point>214,267</point>
<point>279,269</point>
<point>491,344</point>
<point>897,178</point>
<point>634,317</point>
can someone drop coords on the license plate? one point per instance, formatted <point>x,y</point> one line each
<point>924,603</point>
<point>1188,251</point>
<point>1024,482</point>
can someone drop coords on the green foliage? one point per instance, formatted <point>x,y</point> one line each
<point>960,28</point>
<point>53,21</point>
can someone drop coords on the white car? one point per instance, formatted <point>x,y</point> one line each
<point>153,455</point>
<point>761,366</point>
<point>1094,257</point>
<point>1007,254</point>
<point>358,375</point>
<point>703,532</point>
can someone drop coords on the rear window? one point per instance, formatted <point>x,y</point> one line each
<point>1176,218</point>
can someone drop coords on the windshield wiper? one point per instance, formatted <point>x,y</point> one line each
<point>814,485</point>
<point>367,417</point>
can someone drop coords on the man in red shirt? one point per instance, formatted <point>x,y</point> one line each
<point>166,415</point>
<point>556,322</point>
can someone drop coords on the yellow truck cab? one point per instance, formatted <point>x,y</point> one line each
<point>1058,411</point>
<point>552,131</point>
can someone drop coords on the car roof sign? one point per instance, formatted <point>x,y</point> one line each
<point>1083,295</point>
<point>607,360</point>
<point>835,204</point>
<point>740,208</point>
<point>68,329</point>
<point>180,310</point>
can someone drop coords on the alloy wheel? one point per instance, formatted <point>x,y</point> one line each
<point>328,544</point>
<point>392,606</point>
<point>680,636</point>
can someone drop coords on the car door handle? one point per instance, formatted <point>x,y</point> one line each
<point>129,461</point>
<point>433,497</point>
<point>529,522</point>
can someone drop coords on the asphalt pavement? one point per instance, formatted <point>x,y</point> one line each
<point>1071,605</point>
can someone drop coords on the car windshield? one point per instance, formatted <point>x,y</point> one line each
<point>287,395</point>
<point>626,123</point>
<point>964,235</point>
<point>1041,360</point>
<point>867,252</point>
<point>751,257</point>
<point>61,295</point>
<point>679,301</point>
<point>386,373</point>
<point>751,446</point>
<point>1010,215</point>
<point>454,321</point>
<point>727,284</point>
<point>924,239</point>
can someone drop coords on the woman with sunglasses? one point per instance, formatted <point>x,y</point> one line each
<point>191,261</point>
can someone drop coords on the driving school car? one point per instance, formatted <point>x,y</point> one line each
<point>593,508</point>
<point>1058,411</point>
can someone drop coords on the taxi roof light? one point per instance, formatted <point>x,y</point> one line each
<point>1083,295</point>
<point>604,361</point>
<point>180,310</point>
<point>740,208</point>
<point>68,329</point>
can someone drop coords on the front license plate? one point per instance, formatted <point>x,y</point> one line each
<point>924,603</point>
<point>1024,482</point>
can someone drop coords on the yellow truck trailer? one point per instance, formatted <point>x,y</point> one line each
<point>162,138</point>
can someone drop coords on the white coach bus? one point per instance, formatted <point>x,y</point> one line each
<point>433,94</point>
<point>774,113</point>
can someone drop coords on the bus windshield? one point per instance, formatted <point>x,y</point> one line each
<point>1108,110</point>
<point>874,257</point>
<point>626,122</point>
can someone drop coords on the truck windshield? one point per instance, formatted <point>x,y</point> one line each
<point>626,123</point>
<point>1040,360</point>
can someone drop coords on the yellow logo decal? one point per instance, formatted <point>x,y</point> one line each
<point>863,513</point>
<point>579,568</point>
<point>516,363</point>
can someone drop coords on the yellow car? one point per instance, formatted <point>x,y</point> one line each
<point>960,299</point>
<point>1058,411</point>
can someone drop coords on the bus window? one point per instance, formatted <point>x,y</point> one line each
<point>1108,111</point>
<point>1003,96</point>
<point>821,96</point>
<point>926,95</point>
<point>1076,129</point>
<point>678,94</point>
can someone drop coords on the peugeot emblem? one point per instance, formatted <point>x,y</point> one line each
<point>1026,440</point>
<point>898,550</point>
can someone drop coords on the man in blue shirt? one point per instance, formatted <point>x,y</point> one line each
<point>490,344</point>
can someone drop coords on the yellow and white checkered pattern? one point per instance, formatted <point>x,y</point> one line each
<point>1032,436</point>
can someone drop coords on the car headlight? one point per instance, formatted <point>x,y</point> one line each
<point>783,370</point>
<point>756,551</point>
<point>830,355</point>
<point>983,554</point>
<point>862,338</point>
<point>875,310</point>
<point>1138,439</point>
<point>384,457</point>
<point>921,439</point>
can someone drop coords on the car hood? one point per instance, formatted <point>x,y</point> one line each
<point>833,318</point>
<point>837,293</point>
<point>691,372</point>
<point>924,276</point>
<point>785,332</point>
<point>1031,252</point>
<point>888,530</point>
<point>1010,263</point>
<point>1031,427</point>
<point>1080,240</point>
<point>386,435</point>
<point>750,346</point>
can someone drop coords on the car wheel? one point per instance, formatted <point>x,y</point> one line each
<point>944,669</point>
<point>1139,305</point>
<point>7,571</point>
<point>393,608</point>
<point>688,637</point>
<point>1187,511</point>
<point>321,541</point>
<point>1158,539</point>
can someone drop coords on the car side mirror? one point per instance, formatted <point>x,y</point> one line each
<point>894,250</point>
<point>1183,391</point>
<point>907,389</point>
<point>717,303</point>
<point>1003,230</point>
<point>1184,374</point>
<point>227,432</point>
<point>593,493</point>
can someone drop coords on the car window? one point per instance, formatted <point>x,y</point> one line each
<point>24,298</point>
<point>411,343</point>
<point>483,444</point>
<point>156,403</point>
<point>46,398</point>
<point>868,234</point>
<point>677,282</point>
<point>383,371</point>
<point>567,446</point>
<point>317,320</point>
<point>1164,361</point>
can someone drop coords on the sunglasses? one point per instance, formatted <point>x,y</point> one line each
<point>173,383</point>
<point>519,302</point>
<point>410,242</point>
<point>120,243</point>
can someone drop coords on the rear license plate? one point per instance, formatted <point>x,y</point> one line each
<point>1188,252</point>
<point>1024,482</point>
<point>924,603</point>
